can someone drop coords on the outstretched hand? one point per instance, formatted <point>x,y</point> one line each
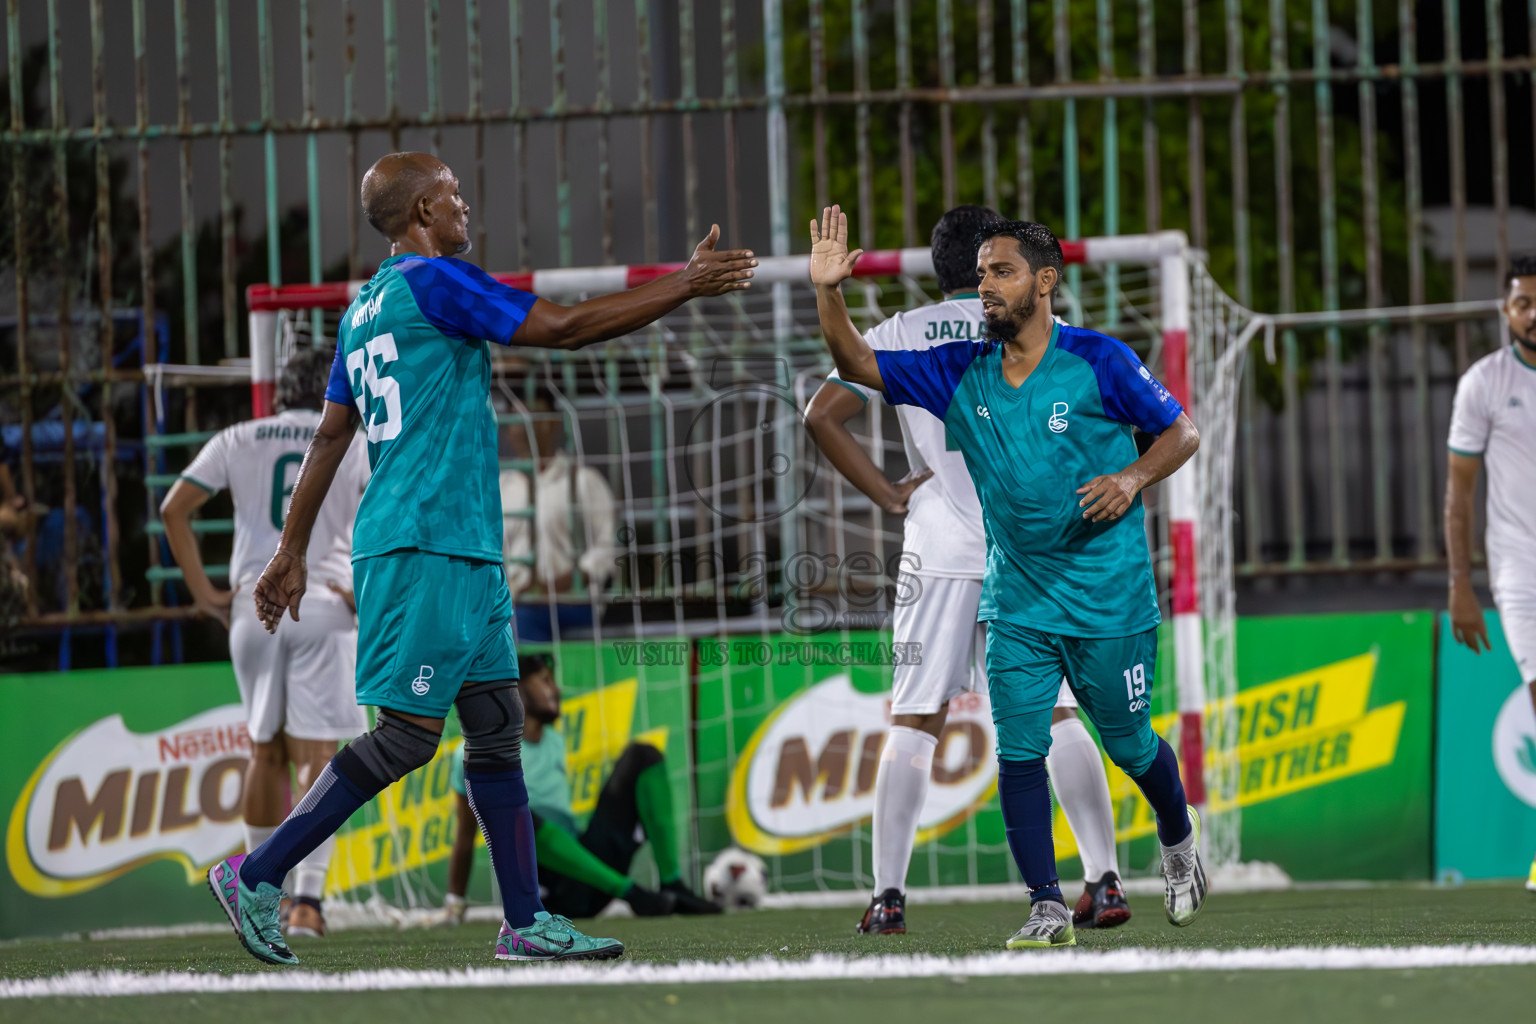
<point>831,262</point>
<point>714,271</point>
<point>280,588</point>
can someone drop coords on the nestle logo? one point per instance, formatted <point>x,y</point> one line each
<point>203,743</point>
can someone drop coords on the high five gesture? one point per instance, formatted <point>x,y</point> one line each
<point>831,262</point>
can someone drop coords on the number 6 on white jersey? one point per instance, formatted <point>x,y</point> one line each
<point>384,389</point>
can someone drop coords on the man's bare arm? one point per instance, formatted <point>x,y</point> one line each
<point>711,271</point>
<point>283,581</point>
<point>1108,497</point>
<point>176,513</point>
<point>1467,623</point>
<point>825,418</point>
<point>831,265</point>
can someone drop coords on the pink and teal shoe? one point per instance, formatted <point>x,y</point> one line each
<point>552,937</point>
<point>252,914</point>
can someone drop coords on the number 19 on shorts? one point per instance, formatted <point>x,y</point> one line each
<point>1136,687</point>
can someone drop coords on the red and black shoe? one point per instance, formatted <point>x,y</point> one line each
<point>1102,904</point>
<point>887,915</point>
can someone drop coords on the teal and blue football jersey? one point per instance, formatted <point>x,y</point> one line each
<point>413,355</point>
<point>1029,449</point>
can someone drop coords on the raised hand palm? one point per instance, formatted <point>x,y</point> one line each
<point>831,262</point>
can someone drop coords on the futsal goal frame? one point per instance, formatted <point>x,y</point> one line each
<point>1166,251</point>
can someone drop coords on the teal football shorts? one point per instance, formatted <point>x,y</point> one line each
<point>426,625</point>
<point>1111,678</point>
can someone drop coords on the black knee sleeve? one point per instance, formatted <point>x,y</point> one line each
<point>389,752</point>
<point>491,715</point>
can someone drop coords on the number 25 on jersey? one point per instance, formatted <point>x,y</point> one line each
<point>367,362</point>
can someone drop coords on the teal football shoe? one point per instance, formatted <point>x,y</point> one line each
<point>552,937</point>
<point>252,914</point>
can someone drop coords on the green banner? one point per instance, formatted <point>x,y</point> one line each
<point>1334,719</point>
<point>1485,761</point>
<point>121,787</point>
<point>1333,738</point>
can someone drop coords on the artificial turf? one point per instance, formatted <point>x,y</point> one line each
<point>1375,916</point>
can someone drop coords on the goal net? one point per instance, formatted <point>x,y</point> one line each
<point>741,609</point>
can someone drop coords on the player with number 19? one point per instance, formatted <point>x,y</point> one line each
<point>434,611</point>
<point>1044,414</point>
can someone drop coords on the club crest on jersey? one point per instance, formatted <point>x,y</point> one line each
<point>1058,420</point>
<point>420,685</point>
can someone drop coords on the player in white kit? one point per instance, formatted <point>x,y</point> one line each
<point>944,551</point>
<point>1493,426</point>
<point>297,685</point>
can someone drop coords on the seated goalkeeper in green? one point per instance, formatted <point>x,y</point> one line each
<point>580,871</point>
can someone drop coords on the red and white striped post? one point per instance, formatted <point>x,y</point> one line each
<point>263,361</point>
<point>1165,250</point>
<point>1183,516</point>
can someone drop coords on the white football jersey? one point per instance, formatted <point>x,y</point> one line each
<point>257,462</point>
<point>943,534</point>
<point>1495,417</point>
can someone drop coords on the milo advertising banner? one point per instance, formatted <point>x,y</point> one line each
<point>789,734</point>
<point>121,787</point>
<point>1332,736</point>
<point>1485,762</point>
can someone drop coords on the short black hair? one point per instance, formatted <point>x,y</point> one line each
<point>528,664</point>
<point>1037,243</point>
<point>1522,265</point>
<point>954,241</point>
<point>302,383</point>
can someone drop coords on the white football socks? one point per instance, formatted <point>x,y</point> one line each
<point>1082,789</point>
<point>901,786</point>
<point>255,835</point>
<point>309,873</point>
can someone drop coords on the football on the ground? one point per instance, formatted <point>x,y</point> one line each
<point>736,879</point>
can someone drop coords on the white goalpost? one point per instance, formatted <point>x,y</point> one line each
<point>625,403</point>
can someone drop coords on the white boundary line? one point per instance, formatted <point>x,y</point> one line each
<point>816,968</point>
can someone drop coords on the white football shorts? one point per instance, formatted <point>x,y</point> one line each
<point>301,680</point>
<point>1519,625</point>
<point>939,614</point>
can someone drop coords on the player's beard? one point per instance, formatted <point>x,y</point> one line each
<point>1005,326</point>
<point>1528,344</point>
<point>463,247</point>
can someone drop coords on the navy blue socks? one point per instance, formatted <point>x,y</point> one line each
<point>500,802</point>
<point>1023,789</point>
<point>1164,790</point>
<point>324,809</point>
